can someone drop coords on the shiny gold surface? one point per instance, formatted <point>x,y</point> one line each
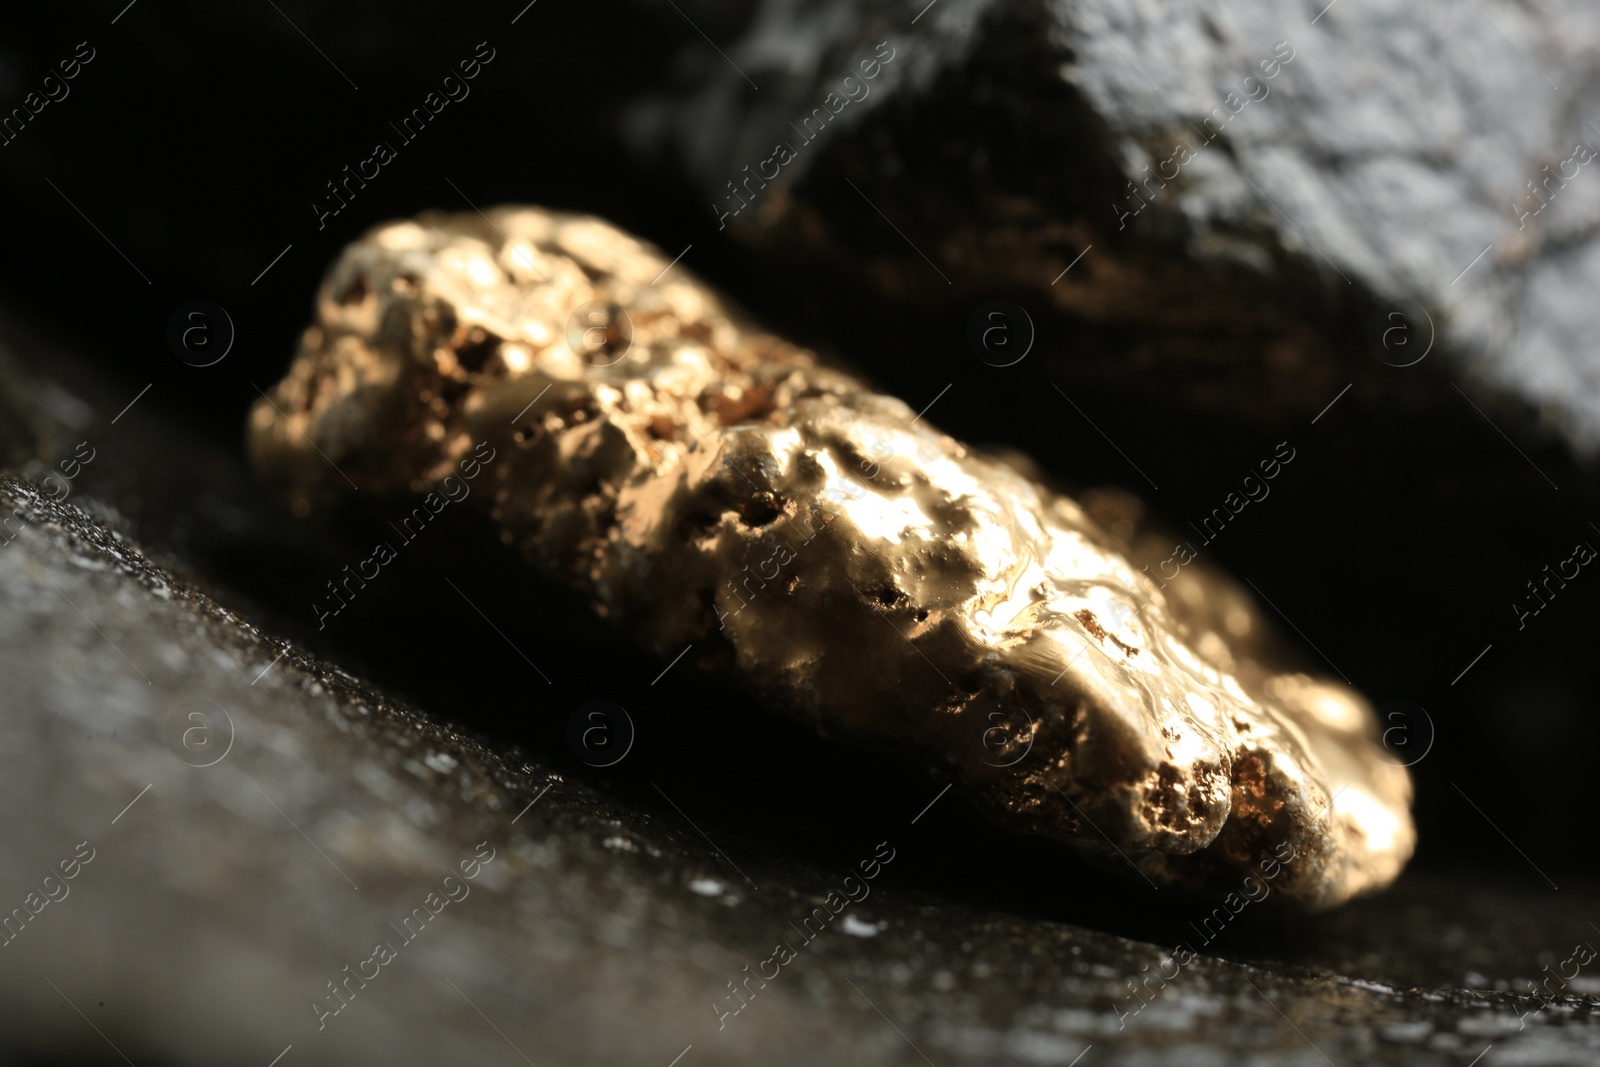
<point>711,485</point>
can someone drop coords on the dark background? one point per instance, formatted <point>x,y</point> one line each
<point>196,141</point>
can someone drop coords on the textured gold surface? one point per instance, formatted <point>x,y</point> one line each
<point>708,483</point>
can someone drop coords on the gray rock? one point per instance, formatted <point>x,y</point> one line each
<point>1378,181</point>
<point>239,860</point>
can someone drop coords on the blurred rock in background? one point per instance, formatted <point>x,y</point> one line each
<point>1268,200</point>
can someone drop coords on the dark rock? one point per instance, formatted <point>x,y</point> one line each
<point>29,436</point>
<point>1320,227</point>
<point>221,899</point>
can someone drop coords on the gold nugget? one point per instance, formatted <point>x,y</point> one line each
<point>709,484</point>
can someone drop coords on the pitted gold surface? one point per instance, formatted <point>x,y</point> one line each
<point>708,483</point>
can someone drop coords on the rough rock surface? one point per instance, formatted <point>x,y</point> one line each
<point>215,909</point>
<point>1279,198</point>
<point>711,486</point>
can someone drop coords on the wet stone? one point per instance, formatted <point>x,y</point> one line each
<point>221,880</point>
